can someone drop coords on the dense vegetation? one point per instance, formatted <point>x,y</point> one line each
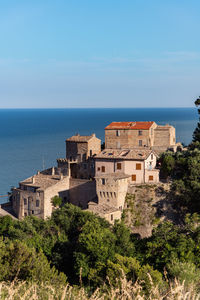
<point>82,249</point>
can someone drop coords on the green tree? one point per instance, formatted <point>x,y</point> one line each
<point>56,201</point>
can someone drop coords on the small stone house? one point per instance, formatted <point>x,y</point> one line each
<point>129,135</point>
<point>138,163</point>
<point>80,151</point>
<point>79,147</point>
<point>33,196</point>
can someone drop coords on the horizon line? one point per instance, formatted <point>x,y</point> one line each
<point>128,107</point>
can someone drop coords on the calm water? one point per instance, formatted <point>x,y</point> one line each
<point>31,139</point>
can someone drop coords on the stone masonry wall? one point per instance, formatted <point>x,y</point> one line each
<point>81,191</point>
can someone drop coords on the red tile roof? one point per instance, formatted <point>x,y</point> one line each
<point>130,125</point>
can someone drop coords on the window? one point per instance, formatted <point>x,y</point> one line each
<point>101,194</point>
<point>104,194</point>
<point>37,203</point>
<point>133,177</point>
<point>107,194</point>
<point>25,214</point>
<point>103,169</point>
<point>140,143</point>
<point>138,167</point>
<point>111,217</point>
<point>140,132</point>
<point>32,212</point>
<point>152,156</point>
<point>150,178</point>
<point>119,166</point>
<point>90,152</point>
<point>118,133</point>
<point>103,181</point>
<point>98,169</point>
<point>25,201</point>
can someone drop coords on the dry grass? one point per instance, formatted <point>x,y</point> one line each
<point>126,291</point>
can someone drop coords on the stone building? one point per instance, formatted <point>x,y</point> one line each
<point>129,135</point>
<point>111,192</point>
<point>138,163</point>
<point>80,151</point>
<point>33,196</point>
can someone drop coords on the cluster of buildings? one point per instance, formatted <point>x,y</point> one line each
<point>97,179</point>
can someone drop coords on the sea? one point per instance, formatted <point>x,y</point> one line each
<point>32,139</point>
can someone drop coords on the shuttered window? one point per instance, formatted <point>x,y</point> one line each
<point>133,177</point>
<point>119,166</point>
<point>138,167</point>
<point>150,177</point>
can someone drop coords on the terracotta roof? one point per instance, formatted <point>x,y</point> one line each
<point>135,154</point>
<point>130,125</point>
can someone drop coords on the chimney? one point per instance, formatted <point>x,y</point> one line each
<point>61,176</point>
<point>33,179</point>
<point>38,172</point>
<point>93,135</point>
<point>53,171</point>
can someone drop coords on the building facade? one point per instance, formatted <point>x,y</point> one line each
<point>129,135</point>
<point>140,164</point>
<point>34,195</point>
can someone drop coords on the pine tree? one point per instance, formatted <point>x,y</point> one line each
<point>196,134</point>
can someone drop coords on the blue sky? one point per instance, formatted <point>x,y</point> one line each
<point>107,53</point>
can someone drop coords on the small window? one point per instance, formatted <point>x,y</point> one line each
<point>140,143</point>
<point>103,181</point>
<point>104,194</point>
<point>111,217</point>
<point>25,214</point>
<point>107,194</point>
<point>25,201</point>
<point>37,203</point>
<point>119,166</point>
<point>133,177</point>
<point>114,194</point>
<point>118,133</point>
<point>103,169</point>
<point>138,167</point>
<point>98,169</point>
<point>32,212</point>
<point>140,132</point>
<point>152,156</point>
<point>101,194</point>
<point>150,178</point>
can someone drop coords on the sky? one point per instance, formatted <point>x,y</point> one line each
<point>108,53</point>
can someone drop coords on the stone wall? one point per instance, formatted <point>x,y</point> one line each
<point>112,191</point>
<point>164,136</point>
<point>127,139</point>
<point>81,191</point>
